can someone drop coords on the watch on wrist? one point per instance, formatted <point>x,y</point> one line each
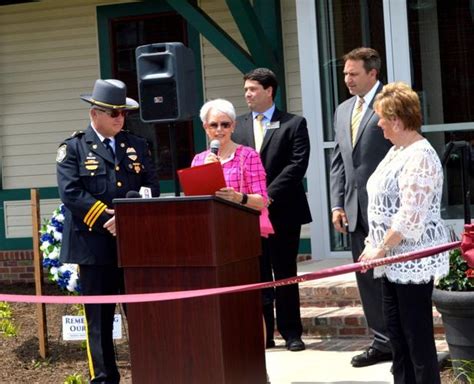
<point>245,198</point>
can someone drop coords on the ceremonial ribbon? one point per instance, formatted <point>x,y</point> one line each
<point>176,295</point>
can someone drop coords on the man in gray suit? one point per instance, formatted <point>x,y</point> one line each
<point>360,146</point>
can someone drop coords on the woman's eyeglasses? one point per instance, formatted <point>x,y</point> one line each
<point>113,113</point>
<point>223,125</point>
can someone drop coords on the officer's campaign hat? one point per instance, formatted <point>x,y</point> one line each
<point>111,94</point>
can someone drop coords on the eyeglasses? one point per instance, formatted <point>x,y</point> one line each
<point>223,125</point>
<point>113,113</point>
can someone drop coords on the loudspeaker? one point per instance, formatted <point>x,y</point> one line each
<point>166,82</point>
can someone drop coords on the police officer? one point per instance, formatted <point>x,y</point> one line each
<point>94,167</point>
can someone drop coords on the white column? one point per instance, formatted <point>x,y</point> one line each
<point>311,100</point>
<point>397,44</point>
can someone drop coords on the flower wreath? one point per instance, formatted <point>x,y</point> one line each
<point>65,275</point>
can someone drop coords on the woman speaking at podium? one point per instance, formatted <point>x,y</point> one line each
<point>243,170</point>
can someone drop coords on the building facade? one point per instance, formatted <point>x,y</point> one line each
<point>53,50</point>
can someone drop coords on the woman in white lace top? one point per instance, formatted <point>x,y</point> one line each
<point>404,215</point>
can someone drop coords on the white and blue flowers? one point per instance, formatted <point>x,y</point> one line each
<point>65,275</point>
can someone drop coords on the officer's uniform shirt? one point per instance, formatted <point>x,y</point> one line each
<point>89,178</point>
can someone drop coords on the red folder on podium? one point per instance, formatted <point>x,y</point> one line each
<point>203,179</point>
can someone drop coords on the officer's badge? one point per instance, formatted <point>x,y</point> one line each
<point>61,154</point>
<point>137,167</point>
<point>131,153</point>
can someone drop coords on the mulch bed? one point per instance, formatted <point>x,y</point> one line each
<point>19,355</point>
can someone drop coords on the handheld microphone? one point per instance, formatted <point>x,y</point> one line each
<point>215,145</point>
<point>132,195</point>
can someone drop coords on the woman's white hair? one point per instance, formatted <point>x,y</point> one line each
<point>219,105</point>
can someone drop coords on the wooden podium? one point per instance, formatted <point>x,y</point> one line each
<point>176,244</point>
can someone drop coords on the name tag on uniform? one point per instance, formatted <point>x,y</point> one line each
<point>273,125</point>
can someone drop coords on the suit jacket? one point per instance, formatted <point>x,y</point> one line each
<point>285,155</point>
<point>351,167</point>
<point>88,180</point>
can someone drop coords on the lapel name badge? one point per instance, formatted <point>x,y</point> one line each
<point>273,125</point>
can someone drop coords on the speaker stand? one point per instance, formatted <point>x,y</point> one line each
<point>174,157</point>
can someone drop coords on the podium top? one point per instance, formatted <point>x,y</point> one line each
<point>185,231</point>
<point>183,199</point>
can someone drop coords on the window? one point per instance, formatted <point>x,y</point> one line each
<point>441,36</point>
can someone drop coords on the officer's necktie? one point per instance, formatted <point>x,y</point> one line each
<point>109,147</point>
<point>258,131</point>
<point>356,118</point>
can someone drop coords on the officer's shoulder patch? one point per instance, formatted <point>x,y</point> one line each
<point>61,154</point>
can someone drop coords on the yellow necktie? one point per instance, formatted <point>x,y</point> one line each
<point>356,118</point>
<point>258,131</point>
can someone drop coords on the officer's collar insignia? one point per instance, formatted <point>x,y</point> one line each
<point>131,153</point>
<point>61,154</point>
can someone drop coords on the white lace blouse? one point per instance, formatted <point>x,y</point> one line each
<point>405,195</point>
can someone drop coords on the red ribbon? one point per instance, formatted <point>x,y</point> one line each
<point>467,244</point>
<point>149,297</point>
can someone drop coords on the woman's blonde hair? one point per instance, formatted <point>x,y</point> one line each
<point>399,100</point>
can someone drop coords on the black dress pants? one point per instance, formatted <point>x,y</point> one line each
<point>370,291</point>
<point>408,311</point>
<point>278,261</point>
<point>101,280</point>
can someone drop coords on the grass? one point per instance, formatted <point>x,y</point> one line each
<point>7,328</point>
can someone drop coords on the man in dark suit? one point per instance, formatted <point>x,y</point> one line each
<point>94,167</point>
<point>283,142</point>
<point>360,146</point>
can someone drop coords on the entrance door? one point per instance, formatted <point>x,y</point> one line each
<point>342,25</point>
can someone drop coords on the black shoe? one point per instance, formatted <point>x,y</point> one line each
<point>295,345</point>
<point>270,343</point>
<point>370,356</point>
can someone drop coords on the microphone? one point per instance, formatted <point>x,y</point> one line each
<point>215,145</point>
<point>132,195</point>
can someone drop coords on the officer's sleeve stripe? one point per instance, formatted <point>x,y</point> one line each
<point>96,215</point>
<point>98,205</point>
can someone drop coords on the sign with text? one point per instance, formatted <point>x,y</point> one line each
<point>74,327</point>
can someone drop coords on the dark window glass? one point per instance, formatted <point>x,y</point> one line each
<point>441,37</point>
<point>441,45</point>
<point>342,26</point>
